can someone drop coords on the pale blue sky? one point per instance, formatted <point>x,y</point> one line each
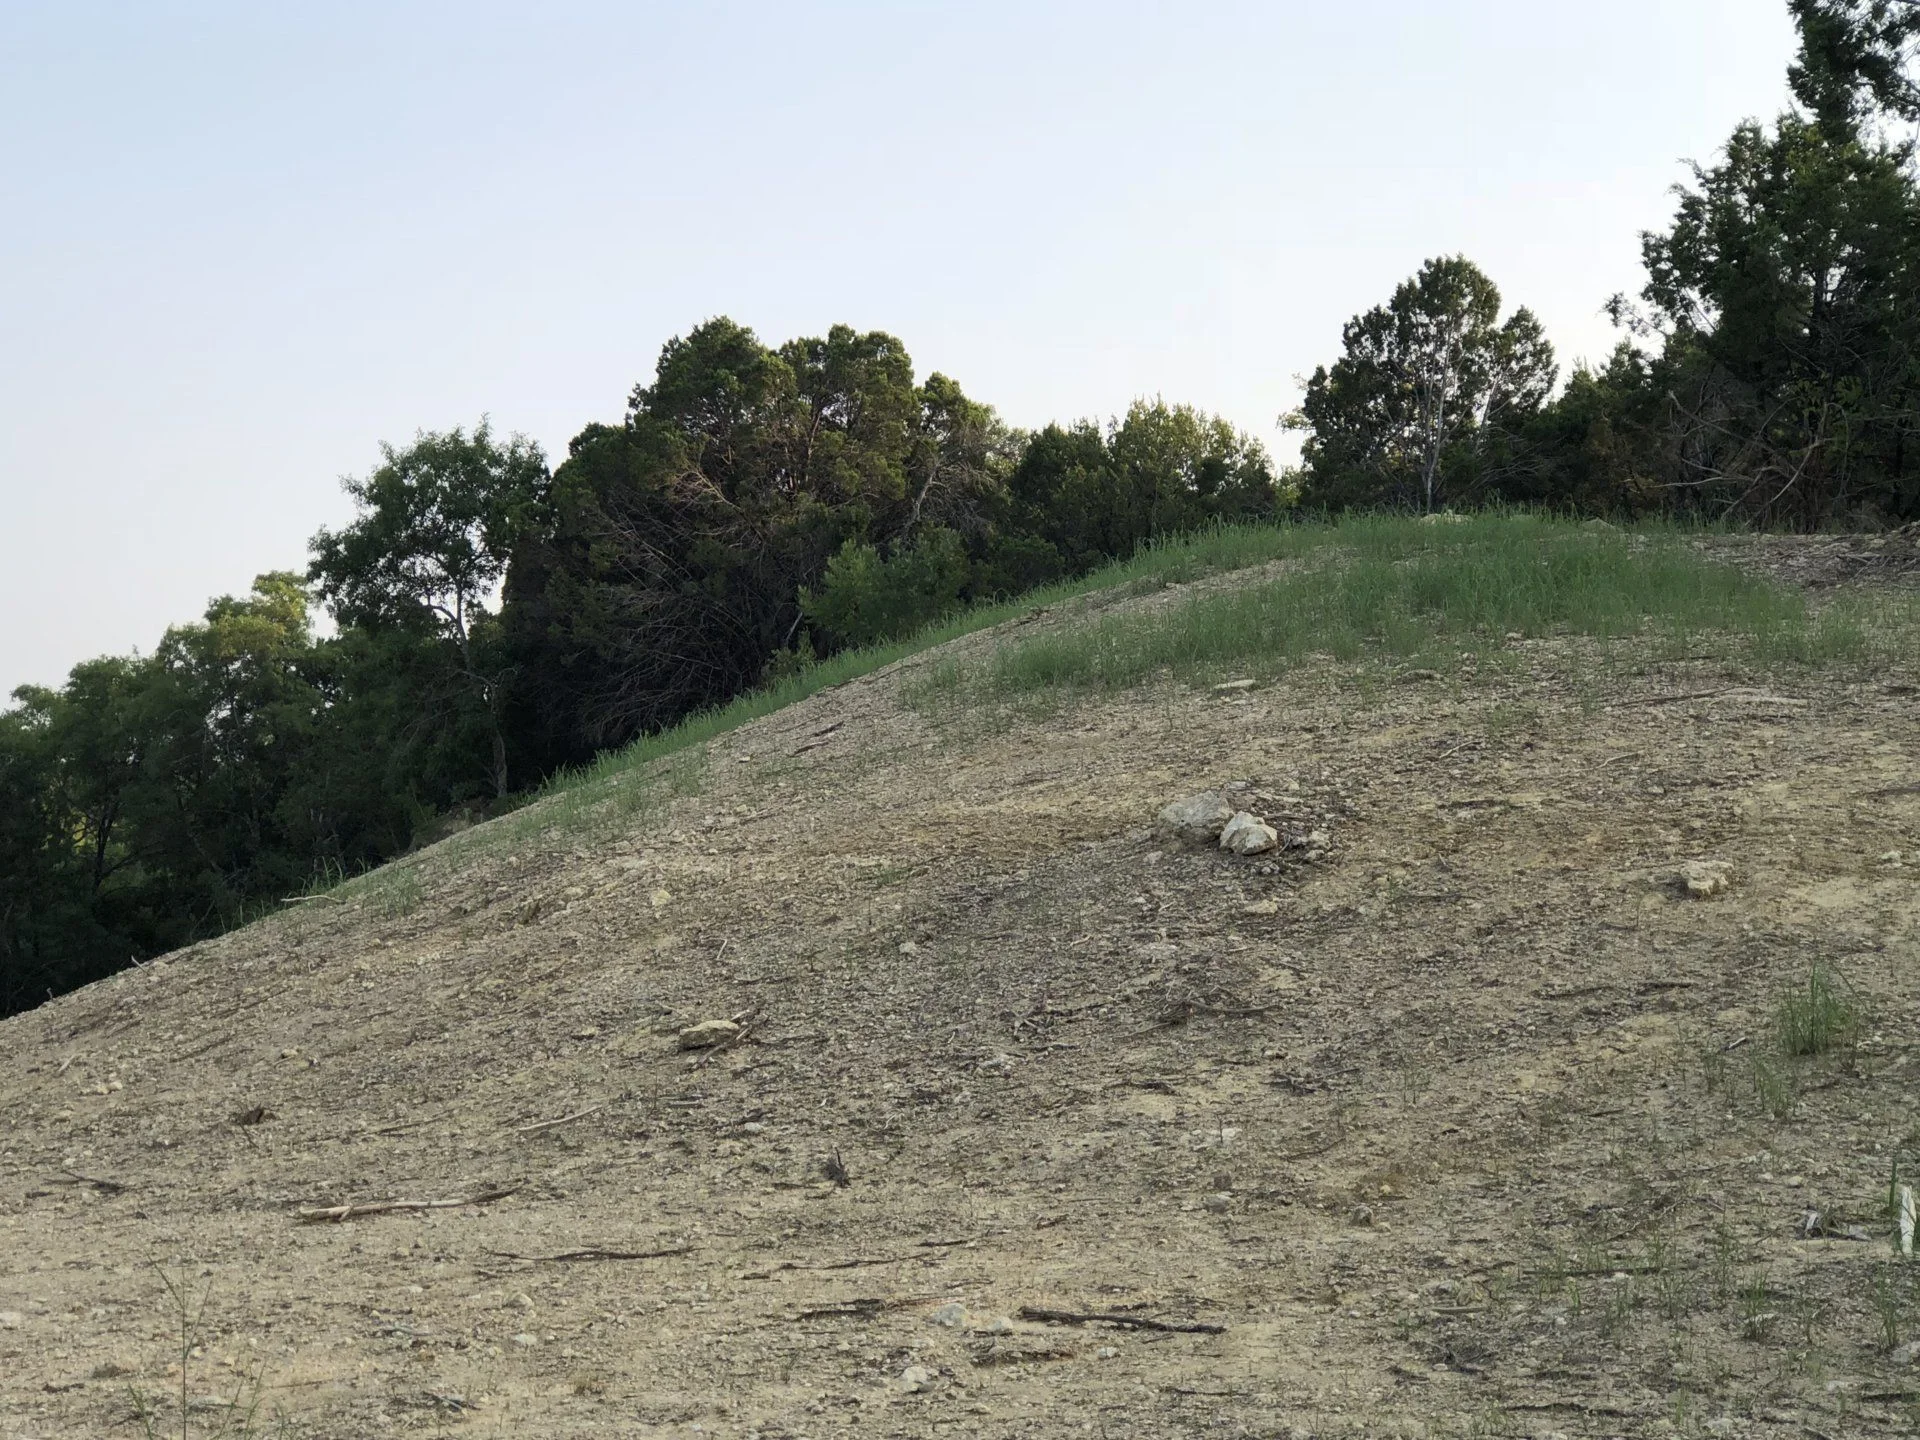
<point>242,244</point>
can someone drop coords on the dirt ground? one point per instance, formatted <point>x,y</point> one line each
<point>1463,1121</point>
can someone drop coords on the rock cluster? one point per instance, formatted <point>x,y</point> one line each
<point>1211,818</point>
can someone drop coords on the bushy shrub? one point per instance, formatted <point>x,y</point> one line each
<point>866,597</point>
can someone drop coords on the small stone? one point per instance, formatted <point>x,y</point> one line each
<point>526,1341</point>
<point>1700,879</point>
<point>1907,1354</point>
<point>1198,818</point>
<point>1233,686</point>
<point>1416,677</point>
<point>660,899</point>
<point>915,1378</point>
<point>1105,1352</point>
<point>1247,834</point>
<point>11,1319</point>
<point>1218,1204</point>
<point>707,1034</point>
<point>1261,907</point>
<point>951,1315</point>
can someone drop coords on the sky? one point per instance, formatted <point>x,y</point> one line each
<point>243,244</point>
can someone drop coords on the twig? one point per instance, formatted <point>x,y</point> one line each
<point>857,1263</point>
<point>563,1120</point>
<point>334,1214</point>
<point>852,1309</point>
<point>112,1187</point>
<point>594,1253</point>
<point>1131,1322</point>
<point>1670,699</point>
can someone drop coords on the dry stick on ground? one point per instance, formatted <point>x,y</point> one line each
<point>566,1256</point>
<point>1131,1322</point>
<point>563,1120</point>
<point>336,1213</point>
<point>857,1263</point>
<point>1669,699</point>
<point>112,1187</point>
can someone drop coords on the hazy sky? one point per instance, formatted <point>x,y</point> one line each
<point>242,244</point>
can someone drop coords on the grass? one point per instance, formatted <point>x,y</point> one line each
<point>1396,590</point>
<point>1818,1017</point>
<point>171,1417</point>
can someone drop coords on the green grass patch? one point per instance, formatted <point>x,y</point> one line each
<point>1399,590</point>
<point>1817,1017</point>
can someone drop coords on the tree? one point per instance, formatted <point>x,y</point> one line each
<point>1412,412</point>
<point>1855,59</point>
<point>678,542</point>
<point>438,521</point>
<point>1786,300</point>
<point>1080,497</point>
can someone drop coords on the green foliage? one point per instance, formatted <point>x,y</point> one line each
<point>865,597</point>
<point>1854,59</point>
<point>758,500</point>
<point>1419,409</point>
<point>437,522</point>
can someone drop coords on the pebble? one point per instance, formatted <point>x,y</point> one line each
<point>11,1319</point>
<point>1247,834</point>
<point>915,1378</point>
<point>1700,879</point>
<point>1198,818</point>
<point>707,1034</point>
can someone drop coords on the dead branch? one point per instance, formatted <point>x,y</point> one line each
<point>563,1120</point>
<point>594,1253</point>
<point>334,1214</point>
<point>110,1187</point>
<point>1131,1322</point>
<point>1669,699</point>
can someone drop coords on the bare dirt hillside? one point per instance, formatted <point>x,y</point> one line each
<point>1463,1118</point>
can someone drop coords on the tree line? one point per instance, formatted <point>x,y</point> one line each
<point>497,618</point>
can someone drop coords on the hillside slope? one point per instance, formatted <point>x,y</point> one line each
<point>1465,1119</point>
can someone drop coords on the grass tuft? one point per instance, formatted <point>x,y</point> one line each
<point>1818,1017</point>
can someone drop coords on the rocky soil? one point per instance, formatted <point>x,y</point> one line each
<point>1458,1112</point>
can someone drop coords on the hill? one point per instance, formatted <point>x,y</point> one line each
<point>1459,1112</point>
